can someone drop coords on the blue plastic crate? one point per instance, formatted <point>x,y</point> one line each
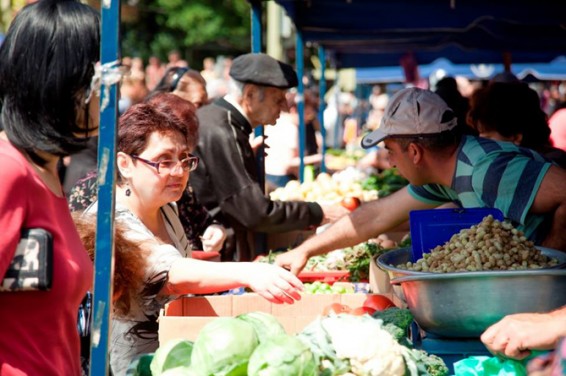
<point>430,228</point>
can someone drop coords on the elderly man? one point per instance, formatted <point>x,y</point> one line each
<point>442,166</point>
<point>226,180</point>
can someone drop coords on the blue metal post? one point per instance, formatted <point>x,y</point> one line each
<point>299,46</point>
<point>260,238</point>
<point>104,259</point>
<point>256,26</point>
<point>322,106</point>
<point>256,48</point>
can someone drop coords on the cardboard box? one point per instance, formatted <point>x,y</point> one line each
<point>379,283</point>
<point>185,317</point>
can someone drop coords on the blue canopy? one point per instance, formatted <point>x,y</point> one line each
<point>555,70</point>
<point>370,33</point>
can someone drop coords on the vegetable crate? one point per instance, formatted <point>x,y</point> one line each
<point>329,277</point>
<point>184,317</point>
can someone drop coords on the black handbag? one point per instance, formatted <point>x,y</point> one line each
<point>31,268</point>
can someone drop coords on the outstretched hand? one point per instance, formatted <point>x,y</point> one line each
<point>294,260</point>
<point>274,283</point>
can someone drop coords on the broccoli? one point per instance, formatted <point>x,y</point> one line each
<point>396,321</point>
<point>435,366</point>
<point>399,334</point>
<point>428,364</point>
<point>395,331</point>
<point>400,317</point>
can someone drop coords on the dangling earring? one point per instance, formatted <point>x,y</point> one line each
<point>128,191</point>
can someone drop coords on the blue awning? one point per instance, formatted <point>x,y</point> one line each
<point>555,70</point>
<point>370,33</point>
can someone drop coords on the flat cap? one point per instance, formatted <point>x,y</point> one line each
<point>262,69</point>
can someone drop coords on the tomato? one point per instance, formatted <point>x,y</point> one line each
<point>350,202</point>
<point>360,311</point>
<point>336,308</point>
<point>378,302</point>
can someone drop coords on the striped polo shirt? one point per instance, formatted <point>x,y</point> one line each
<point>496,175</point>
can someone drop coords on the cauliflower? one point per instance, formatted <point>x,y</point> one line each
<point>374,352</point>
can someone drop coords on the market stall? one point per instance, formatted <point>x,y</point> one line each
<point>102,304</point>
<point>448,305</point>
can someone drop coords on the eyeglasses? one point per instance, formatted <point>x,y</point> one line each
<point>187,164</point>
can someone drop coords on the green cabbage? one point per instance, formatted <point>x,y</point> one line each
<point>223,347</point>
<point>265,325</point>
<point>282,355</point>
<point>172,354</point>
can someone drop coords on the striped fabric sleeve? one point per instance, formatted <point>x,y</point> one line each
<point>429,194</point>
<point>509,183</point>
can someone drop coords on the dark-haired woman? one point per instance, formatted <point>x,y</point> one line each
<point>202,231</point>
<point>46,65</point>
<point>154,163</point>
<point>510,111</point>
<point>184,82</point>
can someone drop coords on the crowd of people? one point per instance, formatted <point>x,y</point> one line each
<point>142,79</point>
<point>187,180</point>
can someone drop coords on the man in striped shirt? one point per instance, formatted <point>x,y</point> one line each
<point>419,131</point>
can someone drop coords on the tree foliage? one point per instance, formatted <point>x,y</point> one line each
<point>194,27</point>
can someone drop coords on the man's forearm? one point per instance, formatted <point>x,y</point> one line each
<point>559,312</point>
<point>341,234</point>
<point>359,226</point>
<point>368,221</point>
<point>556,238</point>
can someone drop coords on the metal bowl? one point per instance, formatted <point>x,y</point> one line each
<point>464,305</point>
<point>388,260</point>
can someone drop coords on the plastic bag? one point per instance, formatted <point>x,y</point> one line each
<point>489,366</point>
<point>140,365</point>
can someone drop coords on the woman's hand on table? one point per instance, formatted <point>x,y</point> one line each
<point>274,283</point>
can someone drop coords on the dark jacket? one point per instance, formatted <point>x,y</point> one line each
<point>81,164</point>
<point>226,183</point>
